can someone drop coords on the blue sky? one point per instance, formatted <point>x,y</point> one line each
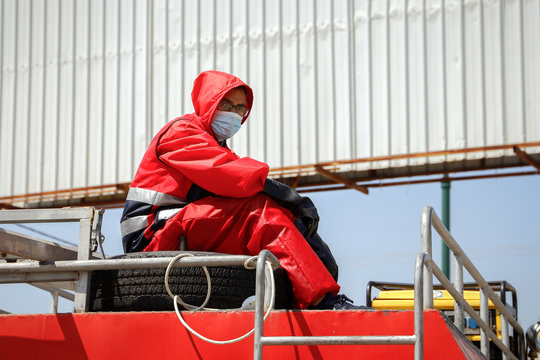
<point>377,237</point>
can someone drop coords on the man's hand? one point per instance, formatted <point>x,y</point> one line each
<point>300,206</point>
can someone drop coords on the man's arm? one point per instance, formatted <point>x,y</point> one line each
<point>198,156</point>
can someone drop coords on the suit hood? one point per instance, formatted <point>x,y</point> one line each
<point>208,90</point>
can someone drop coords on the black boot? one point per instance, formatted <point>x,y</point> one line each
<point>337,302</point>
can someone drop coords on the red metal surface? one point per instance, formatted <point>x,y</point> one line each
<point>160,335</point>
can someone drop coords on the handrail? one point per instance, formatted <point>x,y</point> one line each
<point>417,339</point>
<point>429,220</point>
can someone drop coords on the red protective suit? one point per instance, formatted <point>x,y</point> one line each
<point>188,184</point>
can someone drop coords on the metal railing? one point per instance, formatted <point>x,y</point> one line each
<point>89,220</point>
<point>431,220</point>
<point>425,268</point>
<point>417,339</point>
<point>77,270</point>
<point>45,275</point>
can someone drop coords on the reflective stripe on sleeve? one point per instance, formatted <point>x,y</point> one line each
<point>155,198</point>
<point>133,224</point>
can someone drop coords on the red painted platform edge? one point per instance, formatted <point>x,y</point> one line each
<point>160,335</point>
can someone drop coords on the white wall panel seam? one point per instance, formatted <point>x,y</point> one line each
<point>298,86</point>
<point>463,76</point>
<point>43,92</point>
<point>198,37</point>
<point>73,96</point>
<point>426,98</point>
<point>214,33</point>
<point>503,72</point>
<point>103,92</point>
<point>183,56</point>
<point>231,42</point>
<point>265,83</point>
<point>281,105</point>
<point>118,85</point>
<point>316,82</point>
<point>444,76</point>
<point>351,30</point>
<point>58,98</point>
<point>133,160</point>
<point>407,83</point>
<point>333,71</point>
<point>483,75</point>
<point>388,81</point>
<point>14,116</point>
<point>370,81</point>
<point>522,74</point>
<point>149,68</point>
<point>29,95</point>
<point>88,98</point>
<point>248,142</point>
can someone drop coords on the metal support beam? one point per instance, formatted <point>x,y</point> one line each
<point>59,292</point>
<point>527,158</point>
<point>341,180</point>
<point>45,215</point>
<point>29,247</point>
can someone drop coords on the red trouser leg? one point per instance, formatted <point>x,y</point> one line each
<point>246,226</point>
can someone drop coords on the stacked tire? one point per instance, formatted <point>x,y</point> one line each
<point>144,289</point>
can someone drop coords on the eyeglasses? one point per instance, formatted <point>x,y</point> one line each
<point>226,105</point>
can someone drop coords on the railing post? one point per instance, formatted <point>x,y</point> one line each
<point>259,305</point>
<point>419,306</point>
<point>505,334</point>
<point>459,318</point>
<point>425,233</point>
<point>484,315</point>
<point>81,286</point>
<point>54,302</point>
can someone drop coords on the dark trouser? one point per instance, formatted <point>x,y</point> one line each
<point>321,249</point>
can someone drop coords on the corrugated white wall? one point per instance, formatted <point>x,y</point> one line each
<point>85,84</point>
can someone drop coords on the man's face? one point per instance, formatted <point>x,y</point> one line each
<point>235,101</point>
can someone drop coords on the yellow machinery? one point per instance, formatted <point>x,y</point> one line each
<point>398,296</point>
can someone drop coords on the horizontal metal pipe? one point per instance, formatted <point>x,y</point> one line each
<point>111,264</point>
<point>46,215</point>
<point>37,277</point>
<point>339,340</point>
<point>453,245</point>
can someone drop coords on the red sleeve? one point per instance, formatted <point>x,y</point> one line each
<point>198,156</point>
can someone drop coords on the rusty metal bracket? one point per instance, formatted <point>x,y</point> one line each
<point>526,158</point>
<point>335,177</point>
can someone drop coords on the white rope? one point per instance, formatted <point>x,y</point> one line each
<point>269,276</point>
<point>180,301</point>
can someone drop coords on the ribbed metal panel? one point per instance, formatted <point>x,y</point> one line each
<point>86,84</point>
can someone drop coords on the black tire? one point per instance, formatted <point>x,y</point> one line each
<point>144,289</point>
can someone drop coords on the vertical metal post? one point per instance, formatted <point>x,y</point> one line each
<point>459,319</point>
<point>445,187</point>
<point>54,303</point>
<point>81,286</point>
<point>425,233</point>
<point>505,335</point>
<point>419,306</point>
<point>484,315</point>
<point>259,304</point>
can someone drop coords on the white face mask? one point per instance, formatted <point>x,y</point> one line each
<point>225,124</point>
